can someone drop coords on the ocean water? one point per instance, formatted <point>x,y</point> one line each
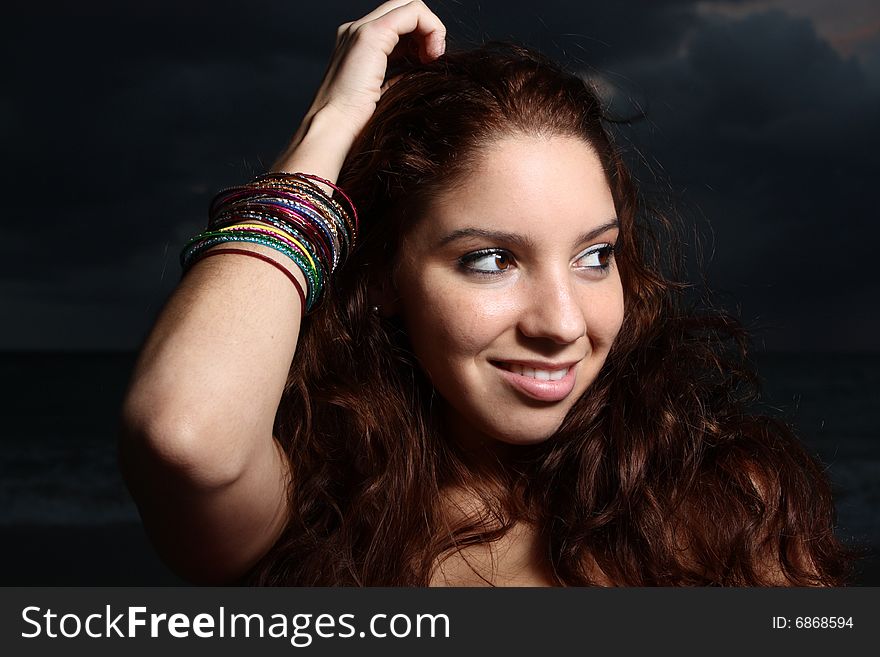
<point>58,457</point>
<point>833,401</point>
<point>58,443</point>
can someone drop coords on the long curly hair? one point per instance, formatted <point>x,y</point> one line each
<point>659,474</point>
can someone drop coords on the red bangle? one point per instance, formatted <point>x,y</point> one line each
<point>264,258</point>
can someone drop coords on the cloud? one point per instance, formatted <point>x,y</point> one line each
<point>774,138</point>
<point>765,69</point>
<point>121,120</point>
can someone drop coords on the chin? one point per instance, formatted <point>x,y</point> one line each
<point>512,424</point>
<point>523,432</point>
<point>524,440</point>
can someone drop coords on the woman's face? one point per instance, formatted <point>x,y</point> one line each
<point>508,289</point>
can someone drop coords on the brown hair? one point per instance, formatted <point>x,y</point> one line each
<point>659,474</point>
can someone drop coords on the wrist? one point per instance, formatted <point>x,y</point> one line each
<point>319,147</point>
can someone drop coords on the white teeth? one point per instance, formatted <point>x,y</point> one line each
<point>541,375</point>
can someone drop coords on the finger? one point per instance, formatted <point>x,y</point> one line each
<point>379,11</point>
<point>414,18</point>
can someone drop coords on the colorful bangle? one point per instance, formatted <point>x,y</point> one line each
<point>309,268</point>
<point>286,212</point>
<point>295,216</point>
<point>270,230</point>
<point>303,187</point>
<point>309,176</point>
<point>314,240</point>
<point>281,203</point>
<point>314,288</point>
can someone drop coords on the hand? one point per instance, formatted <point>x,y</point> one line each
<point>355,77</point>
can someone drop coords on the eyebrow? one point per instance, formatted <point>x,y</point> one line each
<point>521,241</point>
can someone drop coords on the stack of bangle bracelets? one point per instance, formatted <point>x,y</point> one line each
<point>290,213</point>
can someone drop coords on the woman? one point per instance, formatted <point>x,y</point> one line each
<point>499,387</point>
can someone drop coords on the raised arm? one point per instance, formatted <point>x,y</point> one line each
<point>196,445</point>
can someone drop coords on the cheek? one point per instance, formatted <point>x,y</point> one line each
<point>447,322</point>
<point>607,316</point>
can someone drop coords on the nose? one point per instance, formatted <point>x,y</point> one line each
<point>553,310</point>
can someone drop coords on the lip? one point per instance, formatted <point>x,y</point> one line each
<point>546,391</point>
<point>539,364</point>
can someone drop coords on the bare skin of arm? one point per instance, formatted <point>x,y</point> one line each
<point>196,445</point>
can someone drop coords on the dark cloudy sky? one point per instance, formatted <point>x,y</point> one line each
<point>119,120</point>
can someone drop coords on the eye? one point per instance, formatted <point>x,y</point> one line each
<point>596,257</point>
<point>487,261</point>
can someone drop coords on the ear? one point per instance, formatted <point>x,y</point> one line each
<point>383,294</point>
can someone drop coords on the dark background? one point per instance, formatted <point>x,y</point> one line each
<point>120,120</point>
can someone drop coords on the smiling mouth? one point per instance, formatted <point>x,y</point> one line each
<point>531,372</point>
